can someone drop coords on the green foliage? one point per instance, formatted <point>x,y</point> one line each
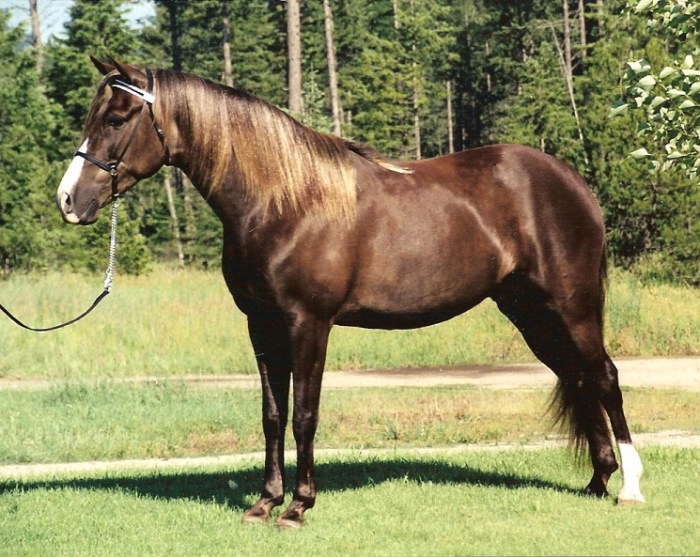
<point>377,94</point>
<point>315,114</point>
<point>540,115</point>
<point>668,98</point>
<point>97,29</point>
<point>27,121</point>
<point>503,62</point>
<point>672,99</point>
<point>670,95</point>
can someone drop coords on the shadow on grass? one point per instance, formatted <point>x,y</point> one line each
<point>215,487</point>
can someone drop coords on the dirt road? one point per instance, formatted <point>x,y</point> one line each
<point>682,373</point>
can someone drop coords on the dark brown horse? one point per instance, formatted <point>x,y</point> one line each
<point>320,231</point>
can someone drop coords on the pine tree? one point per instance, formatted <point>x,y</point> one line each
<point>97,29</point>
<point>27,121</point>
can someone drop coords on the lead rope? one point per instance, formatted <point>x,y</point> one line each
<point>109,277</point>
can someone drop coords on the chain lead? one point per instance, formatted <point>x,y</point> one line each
<point>112,246</point>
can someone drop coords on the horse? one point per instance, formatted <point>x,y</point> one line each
<point>320,231</point>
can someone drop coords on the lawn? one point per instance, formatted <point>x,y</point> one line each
<point>470,503</point>
<point>445,502</point>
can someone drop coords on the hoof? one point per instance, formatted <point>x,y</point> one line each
<point>596,490</point>
<point>258,514</point>
<point>596,494</point>
<point>630,500</point>
<point>292,518</point>
<point>288,523</point>
<point>250,518</point>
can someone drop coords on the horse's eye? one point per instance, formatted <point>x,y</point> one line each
<point>115,121</point>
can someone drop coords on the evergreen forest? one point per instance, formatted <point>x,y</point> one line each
<point>411,78</point>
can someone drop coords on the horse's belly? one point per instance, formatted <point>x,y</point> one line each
<point>422,257</point>
<point>368,318</point>
<point>415,299</point>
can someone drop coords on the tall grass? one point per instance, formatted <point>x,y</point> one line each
<point>175,322</point>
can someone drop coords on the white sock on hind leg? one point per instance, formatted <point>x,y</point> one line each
<point>631,473</point>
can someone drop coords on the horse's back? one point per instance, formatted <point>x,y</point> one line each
<point>516,167</point>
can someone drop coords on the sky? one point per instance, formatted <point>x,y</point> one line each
<point>54,14</point>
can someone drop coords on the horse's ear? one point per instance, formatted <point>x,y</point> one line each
<point>103,68</point>
<point>132,75</point>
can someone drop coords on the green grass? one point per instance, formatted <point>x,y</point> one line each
<point>174,322</point>
<point>471,503</point>
<point>112,421</point>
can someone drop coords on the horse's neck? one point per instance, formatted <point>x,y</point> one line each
<point>260,164</point>
<point>227,199</point>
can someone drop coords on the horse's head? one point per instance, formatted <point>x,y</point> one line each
<point>122,144</point>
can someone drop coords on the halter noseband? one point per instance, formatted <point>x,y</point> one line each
<point>149,99</point>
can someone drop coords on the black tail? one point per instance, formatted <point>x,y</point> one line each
<point>575,407</point>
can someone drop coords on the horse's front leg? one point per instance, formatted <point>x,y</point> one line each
<point>309,343</point>
<point>272,346</point>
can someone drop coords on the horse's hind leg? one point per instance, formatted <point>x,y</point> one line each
<point>631,463</point>
<point>569,340</point>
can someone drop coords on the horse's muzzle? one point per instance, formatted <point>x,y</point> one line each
<point>67,209</point>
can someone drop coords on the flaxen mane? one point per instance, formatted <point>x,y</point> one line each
<point>283,164</point>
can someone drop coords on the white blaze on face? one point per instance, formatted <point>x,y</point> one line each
<point>65,188</point>
<point>631,473</point>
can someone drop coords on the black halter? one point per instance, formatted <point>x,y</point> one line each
<point>148,98</point>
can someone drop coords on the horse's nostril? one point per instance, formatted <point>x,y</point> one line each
<point>67,202</point>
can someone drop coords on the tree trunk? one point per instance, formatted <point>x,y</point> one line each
<point>582,29</point>
<point>488,69</point>
<point>450,139</point>
<point>416,95</point>
<point>416,106</point>
<point>36,35</point>
<point>181,184</point>
<point>568,66</point>
<point>568,78</point>
<point>332,73</point>
<point>228,72</point>
<point>174,221</point>
<point>296,102</point>
<point>174,34</point>
<point>190,220</point>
